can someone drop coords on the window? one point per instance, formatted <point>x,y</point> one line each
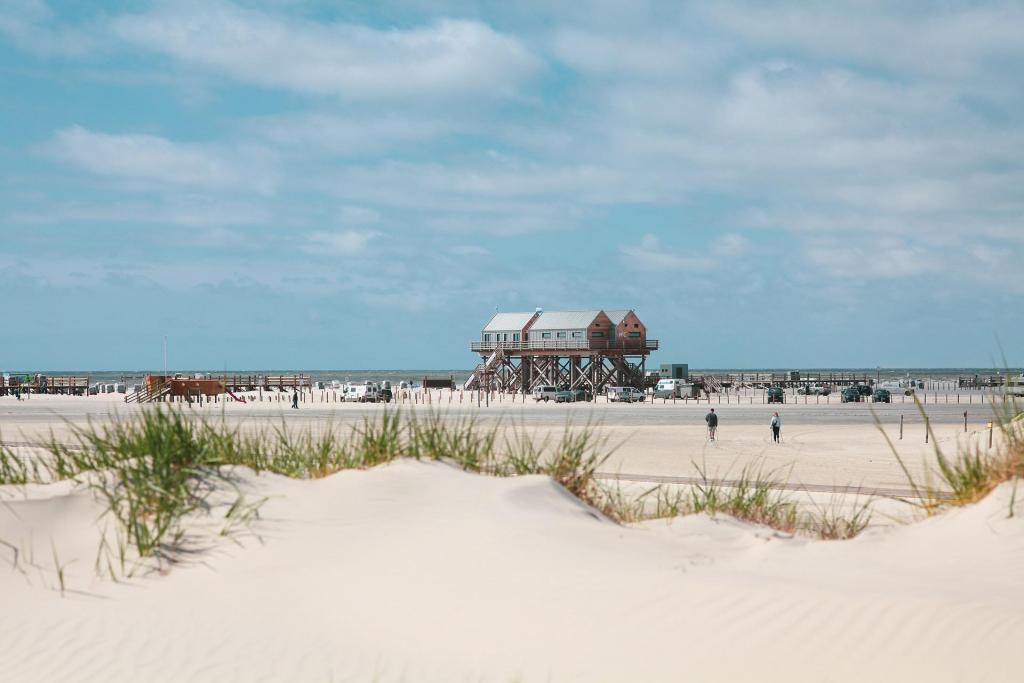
<point>634,334</point>
<point>515,336</point>
<point>560,335</point>
<point>636,325</point>
<point>597,334</point>
<point>487,337</point>
<point>577,334</point>
<point>545,335</point>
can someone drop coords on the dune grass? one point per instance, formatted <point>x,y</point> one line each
<point>161,465</point>
<point>157,467</point>
<point>756,496</point>
<point>972,472</point>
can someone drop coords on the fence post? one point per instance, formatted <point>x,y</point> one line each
<point>901,428</point>
<point>990,434</point>
<point>965,422</point>
<point>926,430</point>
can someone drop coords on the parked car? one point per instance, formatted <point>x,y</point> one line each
<point>776,395</point>
<point>625,394</point>
<point>864,389</point>
<point>545,392</point>
<point>573,395</point>
<point>851,395</point>
<point>881,396</point>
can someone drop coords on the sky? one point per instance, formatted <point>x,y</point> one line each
<point>292,184</point>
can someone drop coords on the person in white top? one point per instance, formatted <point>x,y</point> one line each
<point>776,427</point>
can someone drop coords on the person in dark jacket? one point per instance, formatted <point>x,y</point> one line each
<point>776,427</point>
<point>295,399</point>
<point>712,421</point>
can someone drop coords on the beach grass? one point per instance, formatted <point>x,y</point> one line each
<point>157,467</point>
<point>969,474</point>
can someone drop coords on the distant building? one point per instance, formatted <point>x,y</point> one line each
<point>591,349</point>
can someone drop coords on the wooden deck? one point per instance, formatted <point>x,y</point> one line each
<point>43,384</point>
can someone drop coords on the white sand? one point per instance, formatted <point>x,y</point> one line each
<point>420,572</point>
<point>824,444</point>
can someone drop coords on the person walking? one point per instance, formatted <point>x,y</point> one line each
<point>712,421</point>
<point>776,427</point>
<point>295,399</point>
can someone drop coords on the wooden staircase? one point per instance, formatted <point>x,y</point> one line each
<point>145,395</point>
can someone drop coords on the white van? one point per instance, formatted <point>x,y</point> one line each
<point>672,388</point>
<point>545,392</point>
<point>366,392</point>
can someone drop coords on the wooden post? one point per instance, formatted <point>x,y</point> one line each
<point>901,428</point>
<point>990,425</point>
<point>965,422</point>
<point>926,430</point>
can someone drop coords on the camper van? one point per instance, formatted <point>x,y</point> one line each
<point>673,388</point>
<point>367,392</point>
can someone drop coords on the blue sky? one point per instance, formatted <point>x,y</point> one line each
<point>359,185</point>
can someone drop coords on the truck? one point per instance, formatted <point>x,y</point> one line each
<point>881,396</point>
<point>775,395</point>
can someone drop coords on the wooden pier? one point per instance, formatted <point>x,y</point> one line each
<point>718,383</point>
<point>161,387</point>
<point>43,384</point>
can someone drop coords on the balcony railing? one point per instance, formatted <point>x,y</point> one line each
<point>637,345</point>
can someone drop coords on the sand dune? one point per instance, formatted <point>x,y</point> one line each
<point>420,572</point>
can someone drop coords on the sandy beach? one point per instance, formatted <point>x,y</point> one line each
<point>823,444</point>
<point>417,571</point>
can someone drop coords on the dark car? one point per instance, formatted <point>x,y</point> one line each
<point>864,389</point>
<point>881,396</point>
<point>776,395</point>
<point>385,395</point>
<point>573,395</point>
<point>851,395</point>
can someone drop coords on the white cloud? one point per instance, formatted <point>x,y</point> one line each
<point>469,250</point>
<point>446,57</point>
<point>649,254</point>
<point>29,25</point>
<point>731,245</point>
<point>189,211</point>
<point>880,257</point>
<point>343,243</point>
<point>358,215</point>
<point>149,158</point>
<point>348,135</point>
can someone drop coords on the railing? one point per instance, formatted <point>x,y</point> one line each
<point>566,345</point>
